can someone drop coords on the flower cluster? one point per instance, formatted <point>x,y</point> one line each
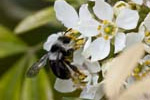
<point>100,35</point>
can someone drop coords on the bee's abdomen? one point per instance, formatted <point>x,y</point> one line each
<point>60,69</point>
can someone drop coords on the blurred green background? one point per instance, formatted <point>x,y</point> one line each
<point>24,27</point>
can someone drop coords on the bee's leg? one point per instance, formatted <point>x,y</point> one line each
<point>74,68</point>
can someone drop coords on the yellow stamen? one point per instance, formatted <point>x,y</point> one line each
<point>147,33</point>
<point>147,62</point>
<point>137,76</point>
<point>105,22</point>
<point>106,37</point>
<point>137,70</point>
<point>99,27</point>
<point>107,30</point>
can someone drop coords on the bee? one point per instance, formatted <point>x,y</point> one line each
<point>57,57</point>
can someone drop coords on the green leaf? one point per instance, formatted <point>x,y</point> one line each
<point>14,85</point>
<point>10,83</point>
<point>36,20</point>
<point>37,88</point>
<point>9,43</point>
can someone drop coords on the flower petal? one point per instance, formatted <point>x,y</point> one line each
<point>140,2</point>
<point>95,78</point>
<point>87,50</point>
<point>84,13</point>
<point>88,28</point>
<point>66,13</point>
<point>50,41</point>
<point>88,92</point>
<point>133,38</point>
<point>127,19</point>
<point>120,41</point>
<point>103,10</point>
<point>147,48</point>
<point>78,59</point>
<point>100,91</point>
<point>64,86</point>
<point>147,21</point>
<point>100,49</point>
<point>93,67</point>
<point>87,25</point>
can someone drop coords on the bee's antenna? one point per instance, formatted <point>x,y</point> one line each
<point>67,31</point>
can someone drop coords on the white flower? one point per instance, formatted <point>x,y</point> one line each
<point>105,12</point>
<point>110,28</point>
<point>83,22</point>
<point>143,35</point>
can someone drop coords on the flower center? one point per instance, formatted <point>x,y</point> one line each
<point>142,70</point>
<point>108,29</point>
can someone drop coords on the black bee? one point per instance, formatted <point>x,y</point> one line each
<point>60,66</point>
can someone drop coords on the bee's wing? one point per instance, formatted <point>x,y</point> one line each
<point>34,69</point>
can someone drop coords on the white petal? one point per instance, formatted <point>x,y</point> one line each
<point>120,41</point>
<point>103,10</point>
<point>93,67</point>
<point>147,3</point>
<point>100,91</point>
<point>133,38</point>
<point>66,13</point>
<point>88,92</point>
<point>100,49</point>
<point>106,66</point>
<point>127,19</point>
<point>88,28</point>
<point>147,21</point>
<point>140,2</point>
<point>147,57</point>
<point>95,78</point>
<point>147,48</point>
<point>87,50</point>
<point>130,81</point>
<point>50,41</point>
<point>78,59</point>
<point>64,86</point>
<point>87,25</point>
<point>84,13</point>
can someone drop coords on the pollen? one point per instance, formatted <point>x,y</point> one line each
<point>80,42</point>
<point>147,62</point>
<point>137,70</point>
<point>99,27</point>
<point>107,29</point>
<point>99,35</point>
<point>105,22</point>
<point>147,33</point>
<point>137,76</point>
<point>106,37</point>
